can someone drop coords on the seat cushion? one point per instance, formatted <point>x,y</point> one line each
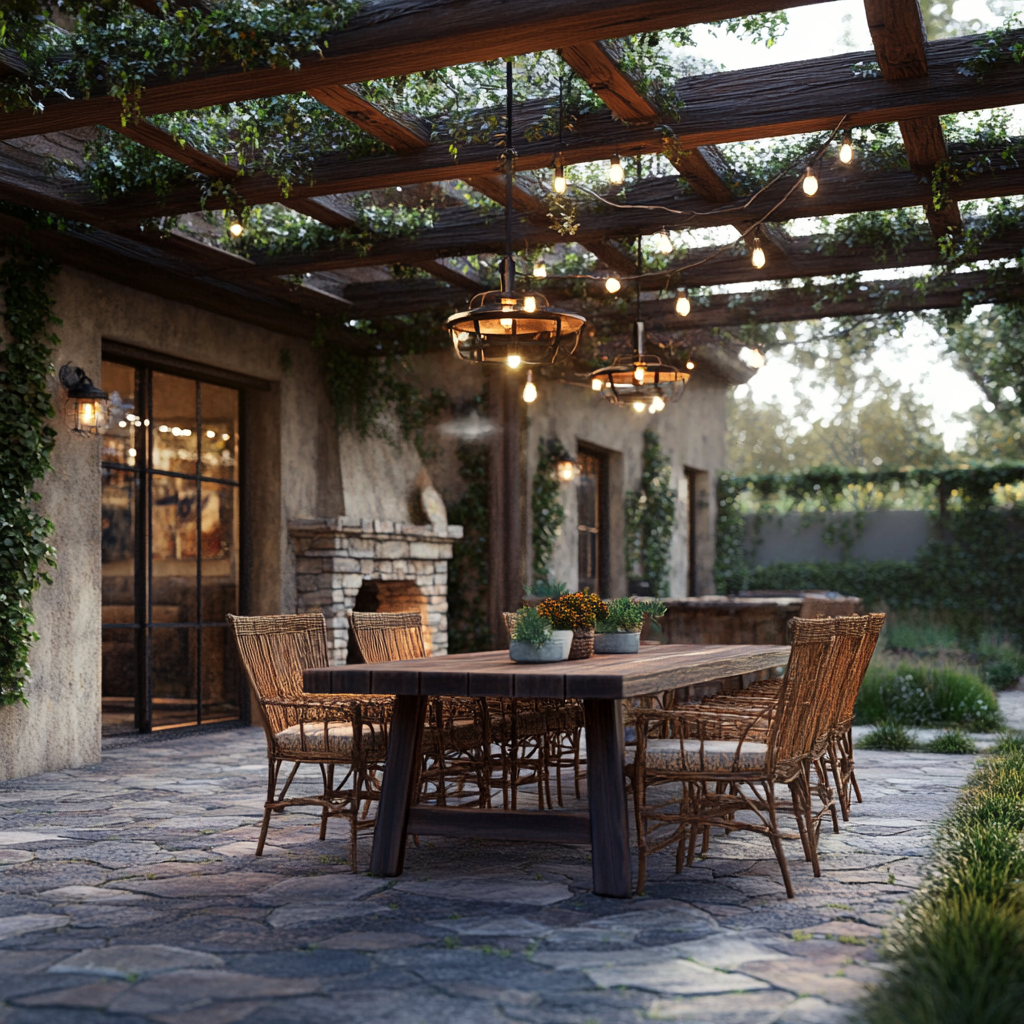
<point>309,739</point>
<point>719,755</point>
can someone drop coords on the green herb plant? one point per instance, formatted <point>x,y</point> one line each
<point>530,627</point>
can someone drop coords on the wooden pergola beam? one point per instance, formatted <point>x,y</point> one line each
<point>386,39</point>
<point>897,30</point>
<point>734,106</point>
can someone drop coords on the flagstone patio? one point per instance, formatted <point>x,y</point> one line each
<point>129,893</point>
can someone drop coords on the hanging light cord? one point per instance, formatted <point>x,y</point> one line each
<point>510,274</point>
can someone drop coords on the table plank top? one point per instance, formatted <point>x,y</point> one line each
<point>602,676</point>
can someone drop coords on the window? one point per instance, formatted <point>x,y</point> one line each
<point>592,506</point>
<point>170,550</point>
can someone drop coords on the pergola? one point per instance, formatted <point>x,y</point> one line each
<point>911,81</point>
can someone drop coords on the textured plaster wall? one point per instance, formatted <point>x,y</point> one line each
<point>291,428</point>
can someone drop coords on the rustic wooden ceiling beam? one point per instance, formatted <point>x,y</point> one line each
<point>11,63</point>
<point>897,30</point>
<point>387,38</point>
<point>806,96</point>
<point>402,134</point>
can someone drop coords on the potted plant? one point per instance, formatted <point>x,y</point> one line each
<point>534,640</point>
<point>619,631</point>
<point>578,612</point>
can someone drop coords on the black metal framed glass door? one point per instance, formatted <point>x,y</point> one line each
<point>592,510</point>
<point>170,550</point>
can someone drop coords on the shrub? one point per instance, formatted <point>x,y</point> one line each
<point>624,614</point>
<point>1004,669</point>
<point>888,736</point>
<point>918,695</point>
<point>952,741</point>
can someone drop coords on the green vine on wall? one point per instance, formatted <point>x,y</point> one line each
<point>546,506</point>
<point>25,412</point>
<point>650,520</point>
<point>468,572</point>
<point>971,569</point>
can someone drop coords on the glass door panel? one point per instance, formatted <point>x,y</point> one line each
<point>589,506</point>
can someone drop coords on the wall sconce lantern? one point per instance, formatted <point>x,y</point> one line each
<point>567,469</point>
<point>87,408</point>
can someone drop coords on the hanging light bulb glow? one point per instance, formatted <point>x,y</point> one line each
<point>846,149</point>
<point>638,374</point>
<point>236,228</point>
<point>558,181</point>
<point>616,175</point>
<point>596,385</point>
<point>657,404</point>
<point>664,242</point>
<point>529,304</point>
<point>810,181</point>
<point>612,284</point>
<point>506,322</point>
<point>683,305</point>
<point>757,253</point>
<point>530,391</point>
<point>639,406</point>
<point>689,364</point>
<point>540,269</point>
<point>514,360</point>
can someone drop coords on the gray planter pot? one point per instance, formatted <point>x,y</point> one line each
<point>553,650</point>
<point>564,637</point>
<point>616,643</point>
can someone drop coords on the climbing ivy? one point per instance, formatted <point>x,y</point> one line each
<point>650,519</point>
<point>970,569</point>
<point>28,439</point>
<point>546,506</point>
<point>468,572</point>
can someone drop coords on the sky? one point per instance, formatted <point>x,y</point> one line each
<point>916,360</point>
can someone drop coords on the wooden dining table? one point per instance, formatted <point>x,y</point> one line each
<point>602,682</point>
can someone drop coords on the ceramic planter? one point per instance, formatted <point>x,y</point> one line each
<point>553,650</point>
<point>564,637</point>
<point>616,643</point>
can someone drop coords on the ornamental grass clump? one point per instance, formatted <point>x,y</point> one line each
<point>888,736</point>
<point>924,696</point>
<point>532,628</point>
<point>958,954</point>
<point>952,741</point>
<point>577,612</point>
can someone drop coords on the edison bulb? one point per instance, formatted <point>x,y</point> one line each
<point>846,149</point>
<point>657,403</point>
<point>757,254</point>
<point>664,242</point>
<point>639,406</point>
<point>613,284</point>
<point>236,228</point>
<point>689,365</point>
<point>810,182</point>
<point>514,361</point>
<point>540,269</point>
<point>595,384</point>
<point>683,306</point>
<point>529,304</point>
<point>616,175</point>
<point>638,375</point>
<point>558,182</point>
<point>530,391</point>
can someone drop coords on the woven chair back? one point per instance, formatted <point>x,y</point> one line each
<point>792,731</point>
<point>848,698</point>
<point>274,650</point>
<point>848,637</point>
<point>387,636</point>
<point>828,607</point>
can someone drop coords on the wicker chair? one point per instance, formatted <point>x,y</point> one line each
<point>301,728</point>
<point>456,743</point>
<point>717,769</point>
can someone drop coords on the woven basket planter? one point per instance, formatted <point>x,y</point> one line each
<point>582,644</point>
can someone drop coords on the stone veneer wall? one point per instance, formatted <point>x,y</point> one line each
<point>335,556</point>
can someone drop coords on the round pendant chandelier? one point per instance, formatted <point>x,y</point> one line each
<point>643,382</point>
<point>520,328</point>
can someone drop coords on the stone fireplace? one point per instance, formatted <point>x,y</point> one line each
<point>345,564</point>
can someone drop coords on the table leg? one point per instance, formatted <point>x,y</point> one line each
<point>606,784</point>
<point>398,787</point>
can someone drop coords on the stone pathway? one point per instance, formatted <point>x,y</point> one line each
<point>129,893</point>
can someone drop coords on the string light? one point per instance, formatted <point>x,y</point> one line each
<point>529,304</point>
<point>558,182</point>
<point>846,149</point>
<point>236,228</point>
<point>689,364</point>
<point>595,384</point>
<point>664,242</point>
<point>683,304</point>
<point>613,284</point>
<point>810,181</point>
<point>616,175</point>
<point>757,253</point>
<point>514,360</point>
<point>540,269</point>
<point>530,391</point>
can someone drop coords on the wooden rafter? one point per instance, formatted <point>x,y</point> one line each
<point>387,38</point>
<point>897,30</point>
<point>806,96</point>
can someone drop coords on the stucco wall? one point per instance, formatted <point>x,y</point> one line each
<point>60,727</point>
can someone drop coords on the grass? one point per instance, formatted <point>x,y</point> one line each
<point>918,694</point>
<point>958,956</point>
<point>888,736</point>
<point>952,741</point>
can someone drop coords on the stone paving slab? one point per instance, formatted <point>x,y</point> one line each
<point>129,892</point>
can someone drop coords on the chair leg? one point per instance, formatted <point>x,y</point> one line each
<point>328,777</point>
<point>849,755</point>
<point>273,767</point>
<point>288,782</point>
<point>842,790</point>
<point>776,839</point>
